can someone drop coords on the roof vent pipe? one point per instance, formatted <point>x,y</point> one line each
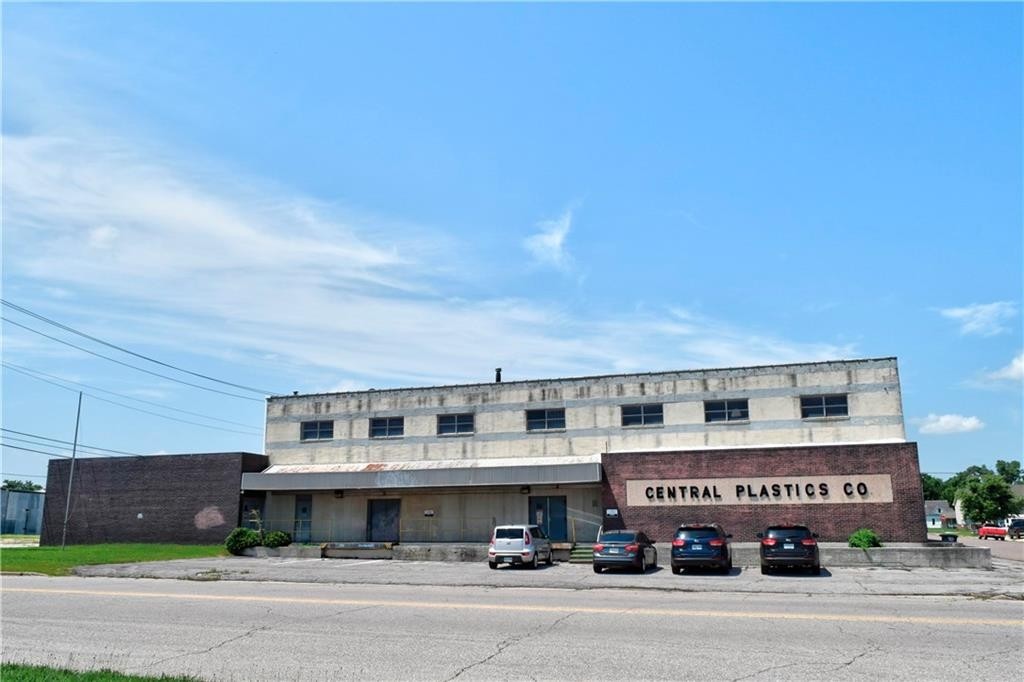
<point>497,375</point>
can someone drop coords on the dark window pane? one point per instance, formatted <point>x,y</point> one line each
<point>835,400</point>
<point>508,533</point>
<point>632,411</point>
<point>384,427</point>
<point>810,412</point>
<point>795,532</point>
<point>538,420</point>
<point>618,536</point>
<point>696,533</point>
<point>317,430</point>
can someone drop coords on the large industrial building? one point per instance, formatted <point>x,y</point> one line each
<point>817,443</point>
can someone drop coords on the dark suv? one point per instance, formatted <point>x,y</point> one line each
<point>701,545</point>
<point>793,546</point>
<point>1015,529</point>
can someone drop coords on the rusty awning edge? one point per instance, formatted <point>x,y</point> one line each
<point>461,473</point>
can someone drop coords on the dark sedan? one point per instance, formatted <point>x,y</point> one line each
<point>701,546</point>
<point>789,546</point>
<point>629,548</point>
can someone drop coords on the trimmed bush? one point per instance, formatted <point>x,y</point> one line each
<point>241,539</point>
<point>277,538</point>
<point>865,538</point>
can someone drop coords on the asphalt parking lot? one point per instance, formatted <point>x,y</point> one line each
<point>1005,580</point>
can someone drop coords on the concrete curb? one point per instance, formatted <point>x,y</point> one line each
<point>904,555</point>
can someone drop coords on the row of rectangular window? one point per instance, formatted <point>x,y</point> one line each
<point>553,419</point>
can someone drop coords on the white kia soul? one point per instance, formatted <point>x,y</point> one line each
<point>519,545</point>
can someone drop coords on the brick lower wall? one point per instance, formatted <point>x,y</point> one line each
<point>186,499</point>
<point>902,520</point>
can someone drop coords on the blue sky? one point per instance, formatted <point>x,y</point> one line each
<point>328,197</point>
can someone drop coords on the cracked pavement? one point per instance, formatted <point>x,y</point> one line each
<point>265,630</point>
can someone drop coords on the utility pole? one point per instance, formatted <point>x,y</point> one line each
<point>71,476</point>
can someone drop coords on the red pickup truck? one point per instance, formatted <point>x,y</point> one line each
<point>994,532</point>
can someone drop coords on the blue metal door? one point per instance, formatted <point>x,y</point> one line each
<point>303,518</point>
<point>550,514</point>
<point>382,520</point>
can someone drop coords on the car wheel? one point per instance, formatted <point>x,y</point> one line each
<point>533,564</point>
<point>765,570</point>
<point>597,569</point>
<point>643,565</point>
<point>551,558</point>
<point>493,564</point>
<point>676,570</point>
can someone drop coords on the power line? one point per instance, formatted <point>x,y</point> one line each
<point>125,364</point>
<point>66,442</point>
<point>137,409</point>
<point>51,454</point>
<point>11,365</point>
<point>11,473</point>
<point>131,352</point>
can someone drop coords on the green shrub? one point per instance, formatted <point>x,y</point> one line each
<point>277,538</point>
<point>241,539</point>
<point>865,538</point>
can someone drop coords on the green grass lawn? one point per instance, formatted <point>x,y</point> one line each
<point>962,532</point>
<point>38,673</point>
<point>55,561</point>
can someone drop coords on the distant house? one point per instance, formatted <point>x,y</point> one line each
<point>938,514</point>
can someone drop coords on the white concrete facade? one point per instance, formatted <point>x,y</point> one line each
<point>327,488</point>
<point>593,414</point>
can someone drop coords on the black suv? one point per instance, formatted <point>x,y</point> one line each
<point>793,546</point>
<point>701,545</point>
<point>1015,529</point>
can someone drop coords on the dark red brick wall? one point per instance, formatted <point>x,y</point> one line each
<point>899,521</point>
<point>186,499</point>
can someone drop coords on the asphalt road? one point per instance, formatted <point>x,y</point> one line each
<point>1012,550</point>
<point>234,630</point>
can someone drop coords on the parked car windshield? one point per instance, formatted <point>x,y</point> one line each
<point>790,532</point>
<point>620,536</point>
<point>508,533</point>
<point>696,533</point>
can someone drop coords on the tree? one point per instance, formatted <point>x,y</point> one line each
<point>952,485</point>
<point>1010,471</point>
<point>988,498</point>
<point>21,486</point>
<point>932,487</point>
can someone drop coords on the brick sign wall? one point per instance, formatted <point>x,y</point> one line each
<point>833,489</point>
<point>191,499</point>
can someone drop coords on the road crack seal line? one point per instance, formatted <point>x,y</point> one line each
<point>248,633</point>
<point>765,670</point>
<point>511,641</point>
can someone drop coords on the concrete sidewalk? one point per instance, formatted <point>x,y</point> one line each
<point>1006,580</point>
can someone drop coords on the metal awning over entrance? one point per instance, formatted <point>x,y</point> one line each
<point>427,474</point>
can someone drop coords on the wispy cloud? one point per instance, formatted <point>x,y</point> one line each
<point>547,246</point>
<point>192,257</point>
<point>943,424</point>
<point>1014,371</point>
<point>982,319</point>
